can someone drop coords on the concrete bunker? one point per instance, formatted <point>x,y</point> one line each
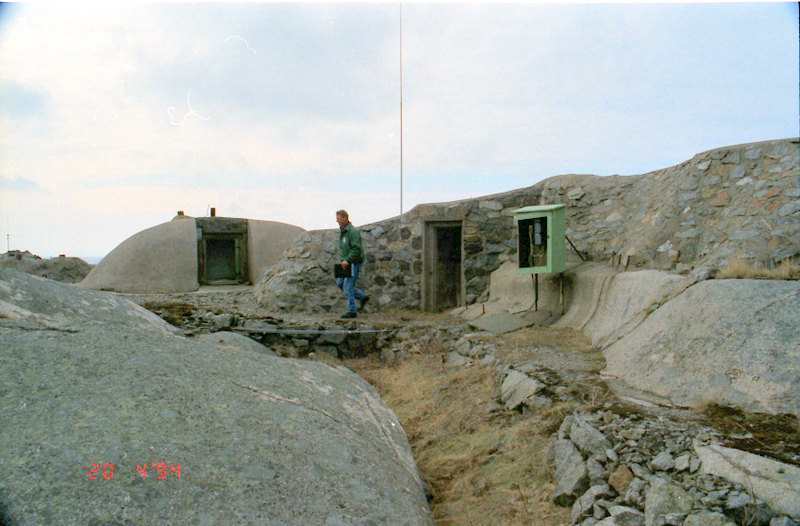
<point>443,274</point>
<point>185,253</point>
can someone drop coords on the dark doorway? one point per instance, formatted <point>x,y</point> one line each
<point>220,259</point>
<point>448,263</point>
<point>221,251</point>
<point>443,286</point>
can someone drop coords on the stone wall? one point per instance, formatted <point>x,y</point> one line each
<point>738,201</point>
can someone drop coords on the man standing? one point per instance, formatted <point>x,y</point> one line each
<point>352,254</point>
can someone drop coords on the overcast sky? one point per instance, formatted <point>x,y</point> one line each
<point>113,119</point>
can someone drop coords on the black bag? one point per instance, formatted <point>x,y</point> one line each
<point>339,272</point>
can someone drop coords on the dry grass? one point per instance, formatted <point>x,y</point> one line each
<point>549,336</point>
<point>485,467</point>
<point>173,313</point>
<point>775,436</point>
<point>741,269</point>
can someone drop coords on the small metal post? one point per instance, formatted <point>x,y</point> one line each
<point>627,262</point>
<point>536,292</point>
<point>575,249</point>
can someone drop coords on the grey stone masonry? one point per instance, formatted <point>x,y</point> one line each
<point>737,201</point>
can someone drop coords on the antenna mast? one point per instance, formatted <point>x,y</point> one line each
<point>401,111</point>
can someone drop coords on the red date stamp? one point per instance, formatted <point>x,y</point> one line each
<point>158,470</point>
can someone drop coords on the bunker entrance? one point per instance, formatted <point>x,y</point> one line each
<point>221,259</point>
<point>443,287</point>
<point>222,251</point>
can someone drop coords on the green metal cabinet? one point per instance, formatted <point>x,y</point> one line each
<point>541,231</point>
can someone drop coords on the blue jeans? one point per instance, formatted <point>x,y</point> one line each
<point>348,285</point>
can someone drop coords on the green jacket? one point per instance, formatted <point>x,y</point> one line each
<point>350,244</point>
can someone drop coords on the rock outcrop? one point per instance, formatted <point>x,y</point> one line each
<point>739,201</point>
<point>64,269</point>
<point>730,342</point>
<point>110,417</point>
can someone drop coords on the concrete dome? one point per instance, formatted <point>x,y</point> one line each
<point>179,255</point>
<point>267,241</point>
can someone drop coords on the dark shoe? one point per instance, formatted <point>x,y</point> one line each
<point>363,301</point>
<point>349,315</point>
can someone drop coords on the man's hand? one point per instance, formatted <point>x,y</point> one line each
<point>345,264</point>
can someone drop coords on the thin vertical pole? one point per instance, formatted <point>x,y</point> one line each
<point>401,112</point>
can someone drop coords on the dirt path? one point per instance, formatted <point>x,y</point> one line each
<point>485,465</point>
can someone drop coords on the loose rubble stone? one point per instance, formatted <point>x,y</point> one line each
<point>620,479</point>
<point>456,360</point>
<point>640,472</point>
<point>682,463</point>
<point>626,516</point>
<point>519,389</point>
<point>599,511</point>
<point>707,518</point>
<point>585,502</point>
<point>663,462</point>
<point>664,498</point>
<point>776,483</point>
<point>588,439</point>
<point>634,495</point>
<point>565,427</point>
<point>738,500</point>
<point>596,471</point>
<point>571,475</point>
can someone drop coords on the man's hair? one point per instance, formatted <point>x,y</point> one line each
<point>342,213</point>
